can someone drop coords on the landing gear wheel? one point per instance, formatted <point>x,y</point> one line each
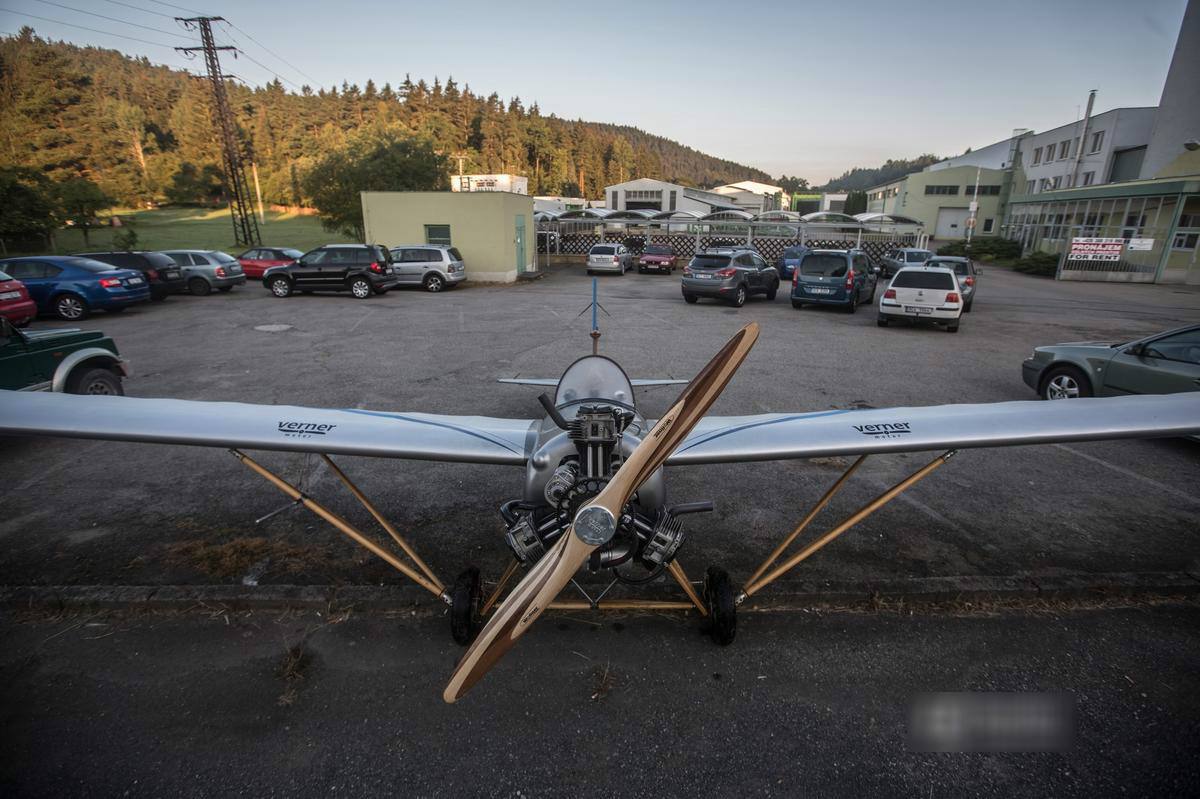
<point>719,600</point>
<point>466,598</point>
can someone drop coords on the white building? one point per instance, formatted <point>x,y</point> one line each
<point>659,195</point>
<point>1113,147</point>
<point>516,184</point>
<point>755,197</point>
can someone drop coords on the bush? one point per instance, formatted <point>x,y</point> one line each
<point>955,248</point>
<point>988,248</point>
<point>1043,264</point>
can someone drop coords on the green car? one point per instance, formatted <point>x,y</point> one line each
<point>74,361</point>
<point>1164,363</point>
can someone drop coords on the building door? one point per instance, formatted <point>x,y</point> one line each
<point>952,223</point>
<point>520,242</point>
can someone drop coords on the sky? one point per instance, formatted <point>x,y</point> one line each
<point>799,88</point>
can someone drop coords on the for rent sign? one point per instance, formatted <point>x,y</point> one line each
<point>1093,249</point>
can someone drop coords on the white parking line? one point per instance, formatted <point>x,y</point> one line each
<point>1175,492</point>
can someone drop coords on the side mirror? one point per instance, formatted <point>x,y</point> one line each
<point>1137,350</point>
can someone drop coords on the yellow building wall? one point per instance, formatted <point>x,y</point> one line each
<point>483,226</point>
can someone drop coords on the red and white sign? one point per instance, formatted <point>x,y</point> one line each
<point>1093,249</point>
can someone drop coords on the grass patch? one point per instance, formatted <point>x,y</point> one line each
<point>197,229</point>
<point>232,559</point>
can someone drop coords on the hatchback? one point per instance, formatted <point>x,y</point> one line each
<point>161,273</point>
<point>71,288</point>
<point>609,258</point>
<point>659,257</point>
<point>432,266</point>
<point>257,261</point>
<point>15,303</point>
<point>833,277</point>
<point>922,293</point>
<point>206,270</point>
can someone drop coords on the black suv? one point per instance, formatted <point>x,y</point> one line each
<point>162,273</point>
<point>361,269</point>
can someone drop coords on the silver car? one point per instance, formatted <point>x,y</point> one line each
<point>434,267</point>
<point>967,272</point>
<point>609,258</point>
<point>205,270</point>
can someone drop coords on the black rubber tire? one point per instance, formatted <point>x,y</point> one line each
<point>224,289</point>
<point>881,321</point>
<point>95,381</point>
<point>853,306</point>
<point>466,600</point>
<point>434,283</point>
<point>71,307</point>
<point>739,297</point>
<point>199,287</point>
<point>690,299</point>
<point>952,328</point>
<point>280,287</point>
<point>1081,380</point>
<point>967,307</point>
<point>641,269</point>
<point>720,599</point>
<point>797,304</point>
<point>357,291</point>
<point>771,292</point>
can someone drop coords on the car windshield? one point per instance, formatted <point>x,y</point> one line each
<point>959,267</point>
<point>657,249</point>
<point>915,279</point>
<point>824,264</point>
<point>293,254</point>
<point>603,250</point>
<point>794,253</point>
<point>917,256</point>
<point>4,276</point>
<point>158,260</point>
<point>710,261</point>
<point>88,264</point>
<point>455,255</point>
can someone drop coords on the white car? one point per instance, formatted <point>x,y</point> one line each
<point>923,293</point>
<point>609,258</point>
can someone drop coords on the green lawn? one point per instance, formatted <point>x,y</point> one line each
<point>199,229</point>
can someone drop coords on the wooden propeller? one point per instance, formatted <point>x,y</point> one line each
<point>595,523</point>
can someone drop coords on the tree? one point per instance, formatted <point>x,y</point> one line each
<point>385,161</point>
<point>856,203</point>
<point>27,206</point>
<point>79,201</point>
<point>192,186</point>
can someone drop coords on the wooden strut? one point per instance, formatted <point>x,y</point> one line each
<point>343,526</point>
<point>754,586</point>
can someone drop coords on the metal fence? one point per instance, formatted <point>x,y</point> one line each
<point>770,239</point>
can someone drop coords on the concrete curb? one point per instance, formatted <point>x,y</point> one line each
<point>1074,586</point>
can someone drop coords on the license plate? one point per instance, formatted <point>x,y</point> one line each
<point>10,295</point>
<point>703,277</point>
<point>918,309</point>
<point>387,271</point>
<point>820,291</point>
<point>171,275</point>
<point>136,281</point>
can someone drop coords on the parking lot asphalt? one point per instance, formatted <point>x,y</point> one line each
<point>221,704</point>
<point>84,512</point>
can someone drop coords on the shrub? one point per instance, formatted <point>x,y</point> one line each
<point>1043,264</point>
<point>955,248</point>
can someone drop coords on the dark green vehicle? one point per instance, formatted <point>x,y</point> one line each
<point>74,361</point>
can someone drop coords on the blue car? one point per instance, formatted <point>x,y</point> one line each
<point>787,262</point>
<point>71,287</point>
<point>834,277</point>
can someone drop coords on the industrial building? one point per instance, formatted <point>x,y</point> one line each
<point>754,197</point>
<point>648,194</point>
<point>941,199</point>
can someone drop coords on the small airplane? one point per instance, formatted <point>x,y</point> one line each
<point>594,494</point>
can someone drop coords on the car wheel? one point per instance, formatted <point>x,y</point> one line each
<point>434,283</point>
<point>967,307</point>
<point>771,292</point>
<point>95,381</point>
<point>199,287</point>
<point>641,269</point>
<point>1065,382</point>
<point>739,297</point>
<point>280,287</point>
<point>360,287</point>
<point>952,328</point>
<point>224,289</point>
<point>690,299</point>
<point>797,304</point>
<point>881,321</point>
<point>71,307</point>
<point>853,306</point>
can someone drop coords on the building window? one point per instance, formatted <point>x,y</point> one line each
<point>984,191</point>
<point>1097,141</point>
<point>941,189</point>
<point>1185,241</point>
<point>437,234</point>
<point>987,225</point>
<point>1030,186</point>
<point>614,205</point>
<point>1037,156</point>
<point>672,208</point>
<point>1064,149</point>
<point>1089,178</point>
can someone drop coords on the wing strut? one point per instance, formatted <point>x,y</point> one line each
<point>757,581</point>
<point>422,575</point>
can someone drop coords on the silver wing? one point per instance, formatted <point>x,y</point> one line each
<point>421,436</point>
<point>780,436</point>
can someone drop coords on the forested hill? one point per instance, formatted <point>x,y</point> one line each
<point>860,178</point>
<point>144,134</point>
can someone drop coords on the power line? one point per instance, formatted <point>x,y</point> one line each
<point>139,8</point>
<point>180,8</point>
<point>271,52</point>
<point>112,19</point>
<point>241,50</point>
<point>84,27</point>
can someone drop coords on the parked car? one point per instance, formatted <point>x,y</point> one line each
<point>895,260</point>
<point>71,287</point>
<point>15,303</point>
<point>965,270</point>
<point>659,257</point>
<point>361,269</point>
<point>1163,363</point>
<point>787,262</point>
<point>433,266</point>
<point>609,258</point>
<point>257,261</point>
<point>728,273</point>
<point>206,270</point>
<point>164,276</point>
<point>922,293</point>
<point>834,277</point>
<point>75,361</point>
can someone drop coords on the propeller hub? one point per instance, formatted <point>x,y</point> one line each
<point>595,525</point>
